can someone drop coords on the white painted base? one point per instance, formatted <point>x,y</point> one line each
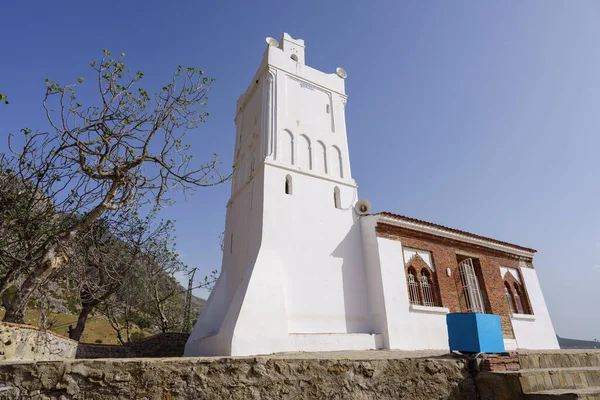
<point>209,345</point>
<point>335,341</point>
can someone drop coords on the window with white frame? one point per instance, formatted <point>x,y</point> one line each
<point>419,278</point>
<point>515,291</point>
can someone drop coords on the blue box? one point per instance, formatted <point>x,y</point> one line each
<point>475,333</point>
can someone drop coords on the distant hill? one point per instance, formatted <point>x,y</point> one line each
<point>577,344</point>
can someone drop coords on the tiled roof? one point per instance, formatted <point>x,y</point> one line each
<point>452,230</point>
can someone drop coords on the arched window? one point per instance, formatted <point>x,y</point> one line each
<point>427,286</point>
<point>413,288</point>
<point>337,201</point>
<point>519,300</point>
<point>288,184</point>
<point>509,297</point>
<point>470,287</point>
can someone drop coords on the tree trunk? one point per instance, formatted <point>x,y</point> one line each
<point>164,323</point>
<point>15,310</point>
<point>75,333</point>
<point>53,260</point>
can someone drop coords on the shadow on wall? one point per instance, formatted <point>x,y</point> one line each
<point>356,302</point>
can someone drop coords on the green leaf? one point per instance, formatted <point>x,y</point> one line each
<point>79,80</point>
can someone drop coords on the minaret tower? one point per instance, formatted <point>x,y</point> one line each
<point>292,277</point>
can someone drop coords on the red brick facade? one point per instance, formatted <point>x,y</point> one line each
<point>448,253</point>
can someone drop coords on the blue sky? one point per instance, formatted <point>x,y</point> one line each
<point>482,116</point>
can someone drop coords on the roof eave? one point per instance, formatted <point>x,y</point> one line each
<point>447,233</point>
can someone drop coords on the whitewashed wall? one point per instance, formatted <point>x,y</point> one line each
<point>293,263</point>
<point>536,331</point>
<point>408,329</point>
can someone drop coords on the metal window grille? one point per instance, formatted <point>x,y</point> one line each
<point>470,285</point>
<point>509,298</point>
<point>519,301</point>
<point>413,289</point>
<point>427,291</point>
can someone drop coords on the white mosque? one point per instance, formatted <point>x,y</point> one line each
<point>307,268</point>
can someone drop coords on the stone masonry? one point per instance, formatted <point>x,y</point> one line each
<point>24,342</point>
<point>354,375</point>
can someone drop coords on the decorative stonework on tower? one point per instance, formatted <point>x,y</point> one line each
<point>305,269</point>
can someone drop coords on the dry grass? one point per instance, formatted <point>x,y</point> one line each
<point>96,328</point>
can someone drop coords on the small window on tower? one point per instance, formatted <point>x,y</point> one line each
<point>288,184</point>
<point>336,198</point>
<point>294,57</point>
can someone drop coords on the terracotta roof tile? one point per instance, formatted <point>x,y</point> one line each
<point>472,235</point>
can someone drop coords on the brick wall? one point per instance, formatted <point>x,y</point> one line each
<point>447,253</point>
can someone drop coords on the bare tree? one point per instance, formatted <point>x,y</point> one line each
<point>98,161</point>
<point>106,258</point>
<point>153,291</point>
<point>159,285</point>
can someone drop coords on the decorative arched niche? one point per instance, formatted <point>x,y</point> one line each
<point>320,157</point>
<point>285,152</point>
<point>337,169</point>
<point>304,156</point>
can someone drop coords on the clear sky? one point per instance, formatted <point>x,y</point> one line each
<point>483,116</point>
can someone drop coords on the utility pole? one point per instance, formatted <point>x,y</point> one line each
<point>187,321</point>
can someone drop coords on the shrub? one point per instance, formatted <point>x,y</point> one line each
<point>137,336</point>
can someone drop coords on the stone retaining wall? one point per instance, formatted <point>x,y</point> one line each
<point>24,342</point>
<point>170,344</point>
<point>91,350</point>
<point>241,378</point>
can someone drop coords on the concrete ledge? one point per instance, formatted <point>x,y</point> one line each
<point>427,309</point>
<point>523,317</point>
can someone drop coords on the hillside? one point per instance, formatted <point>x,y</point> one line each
<point>577,344</point>
<point>97,329</point>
